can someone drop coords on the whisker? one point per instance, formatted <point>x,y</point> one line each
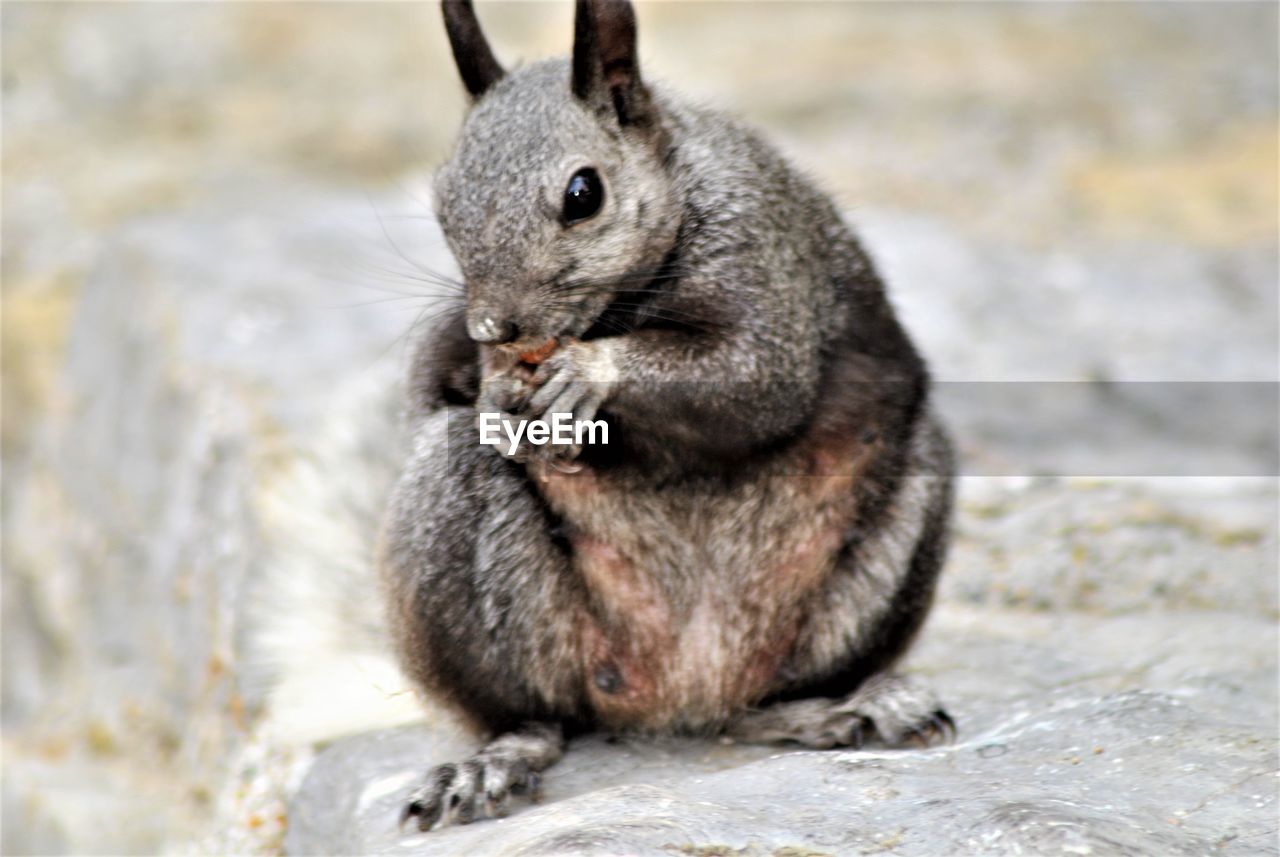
<point>613,285</point>
<point>374,302</point>
<point>429,314</point>
<point>418,287</point>
<point>427,273</point>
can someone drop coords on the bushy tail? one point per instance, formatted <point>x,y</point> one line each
<point>318,652</point>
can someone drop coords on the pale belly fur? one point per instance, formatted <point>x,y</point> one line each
<point>696,596</point>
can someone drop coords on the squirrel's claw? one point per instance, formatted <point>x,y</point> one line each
<point>461,793</point>
<point>428,800</point>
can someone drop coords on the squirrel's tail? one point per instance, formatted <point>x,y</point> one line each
<point>318,654</point>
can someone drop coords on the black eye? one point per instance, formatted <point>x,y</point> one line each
<point>583,197</point>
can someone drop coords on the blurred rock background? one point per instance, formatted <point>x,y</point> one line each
<point>211,219</point>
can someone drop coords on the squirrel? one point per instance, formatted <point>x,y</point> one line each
<point>758,543</point>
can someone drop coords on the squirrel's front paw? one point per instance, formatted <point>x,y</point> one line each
<point>460,793</point>
<point>501,400</point>
<point>567,390</point>
<point>575,380</point>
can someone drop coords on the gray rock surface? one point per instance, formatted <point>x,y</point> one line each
<point>1104,731</point>
<point>144,514</point>
<point>210,233</point>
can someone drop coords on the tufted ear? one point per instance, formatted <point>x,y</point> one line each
<point>606,71</point>
<point>476,63</point>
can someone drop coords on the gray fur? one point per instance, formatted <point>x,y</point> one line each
<point>484,783</point>
<point>895,708</point>
<point>769,527</point>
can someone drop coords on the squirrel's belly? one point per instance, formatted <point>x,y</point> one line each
<point>693,606</point>
<point>661,657</point>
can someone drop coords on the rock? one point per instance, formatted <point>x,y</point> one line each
<point>204,310</point>
<point>148,505</point>
<point>1137,617</point>
<point>1124,734</point>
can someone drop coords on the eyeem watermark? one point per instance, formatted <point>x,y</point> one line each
<point>563,430</point>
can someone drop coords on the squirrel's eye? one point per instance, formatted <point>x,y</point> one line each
<point>583,197</point>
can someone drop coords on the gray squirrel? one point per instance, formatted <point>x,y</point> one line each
<point>758,543</point>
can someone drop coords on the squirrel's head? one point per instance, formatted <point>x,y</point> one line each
<point>555,201</point>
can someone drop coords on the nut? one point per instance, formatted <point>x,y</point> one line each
<point>541,353</point>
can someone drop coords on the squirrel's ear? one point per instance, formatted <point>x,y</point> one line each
<point>476,62</point>
<point>606,72</point>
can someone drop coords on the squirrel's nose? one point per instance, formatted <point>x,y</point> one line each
<point>487,330</point>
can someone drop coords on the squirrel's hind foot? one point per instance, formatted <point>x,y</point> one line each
<point>898,710</point>
<point>481,787</point>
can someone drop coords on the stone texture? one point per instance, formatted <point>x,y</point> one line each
<point>211,233</point>
<point>142,522</point>
<point>1151,732</point>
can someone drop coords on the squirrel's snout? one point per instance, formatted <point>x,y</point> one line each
<point>485,329</point>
